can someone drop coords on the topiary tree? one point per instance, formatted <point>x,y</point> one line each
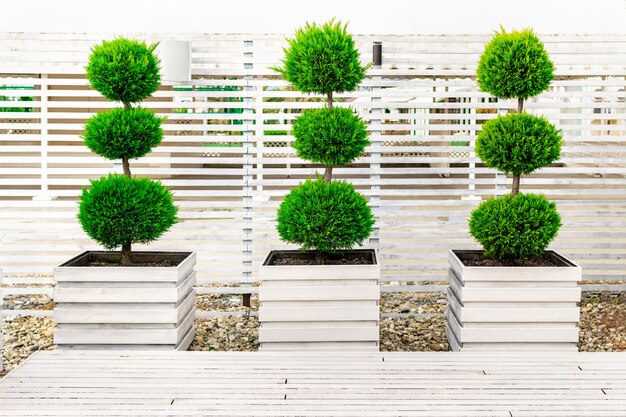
<point>324,215</point>
<point>119,210</point>
<point>516,65</point>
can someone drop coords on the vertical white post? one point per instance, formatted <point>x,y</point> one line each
<point>44,194</point>
<point>375,139</point>
<point>248,145</point>
<point>472,153</point>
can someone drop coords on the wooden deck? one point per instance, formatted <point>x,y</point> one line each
<point>137,383</point>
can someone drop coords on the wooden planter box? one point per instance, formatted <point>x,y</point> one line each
<point>325,307</point>
<point>125,307</point>
<point>513,307</point>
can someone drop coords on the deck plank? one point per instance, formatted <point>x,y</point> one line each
<point>181,384</point>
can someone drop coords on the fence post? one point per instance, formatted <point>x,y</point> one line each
<point>471,188</point>
<point>375,139</point>
<point>248,166</point>
<point>44,194</point>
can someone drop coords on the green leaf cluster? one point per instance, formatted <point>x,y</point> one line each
<point>518,143</point>
<point>322,59</point>
<point>123,133</point>
<point>119,210</point>
<point>514,65</point>
<point>517,227</point>
<point>335,136</point>
<point>328,217</point>
<point>124,70</point>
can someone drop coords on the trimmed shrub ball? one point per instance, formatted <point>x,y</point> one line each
<point>118,210</point>
<point>327,217</point>
<point>322,59</point>
<point>514,65</point>
<point>121,133</point>
<point>518,143</point>
<point>332,137</point>
<point>515,228</point>
<point>124,70</point>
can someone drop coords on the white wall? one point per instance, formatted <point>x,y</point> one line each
<point>283,16</point>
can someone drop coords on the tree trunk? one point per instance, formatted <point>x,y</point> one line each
<point>126,166</point>
<point>520,105</point>
<point>319,258</point>
<point>328,174</point>
<point>515,188</point>
<point>126,260</point>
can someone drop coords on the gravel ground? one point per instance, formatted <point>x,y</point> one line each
<point>603,325</point>
<point>603,322</point>
<point>24,335</point>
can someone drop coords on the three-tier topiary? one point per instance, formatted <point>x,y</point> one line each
<point>517,226</point>
<point>514,293</point>
<point>322,214</point>
<point>327,294</point>
<point>117,300</point>
<point>119,210</point>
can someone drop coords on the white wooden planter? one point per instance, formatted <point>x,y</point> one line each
<point>513,307</point>
<point>125,307</point>
<point>325,307</point>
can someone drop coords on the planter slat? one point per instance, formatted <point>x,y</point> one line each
<point>317,292</point>
<point>340,313</point>
<point>127,334</point>
<point>109,292</point>
<point>321,334</point>
<point>125,313</point>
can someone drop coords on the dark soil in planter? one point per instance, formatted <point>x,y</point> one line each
<point>476,258</point>
<point>353,257</point>
<point>140,259</point>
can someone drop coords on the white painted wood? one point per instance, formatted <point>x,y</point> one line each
<point>124,313</point>
<point>317,292</point>
<point>153,308</point>
<point>528,307</point>
<point>316,383</point>
<point>320,303</point>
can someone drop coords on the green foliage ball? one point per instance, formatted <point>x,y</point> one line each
<point>332,137</point>
<point>118,210</point>
<point>515,227</point>
<point>124,70</point>
<point>514,65</point>
<point>322,59</point>
<point>121,133</point>
<point>328,217</point>
<point>518,143</point>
